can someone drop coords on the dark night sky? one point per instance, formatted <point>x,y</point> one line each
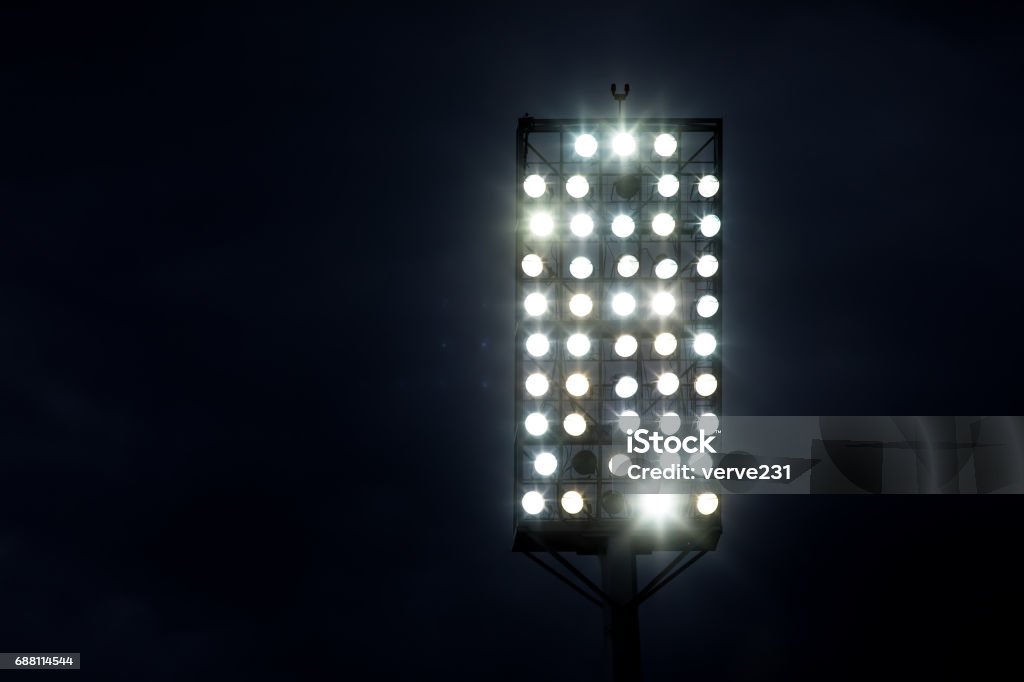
<point>256,328</point>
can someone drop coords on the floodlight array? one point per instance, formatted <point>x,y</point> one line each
<point>619,267</point>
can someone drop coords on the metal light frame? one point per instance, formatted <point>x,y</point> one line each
<point>545,147</point>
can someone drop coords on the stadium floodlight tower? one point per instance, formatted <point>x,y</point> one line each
<point>618,328</point>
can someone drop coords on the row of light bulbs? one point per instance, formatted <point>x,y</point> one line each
<point>573,502</point>
<point>578,345</point>
<point>582,225</point>
<point>624,144</point>
<point>623,304</point>
<point>577,384</point>
<point>628,265</point>
<point>577,186</point>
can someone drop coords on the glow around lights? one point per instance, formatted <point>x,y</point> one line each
<point>628,266</point>
<point>665,344</point>
<point>707,503</point>
<point>532,265</point>
<point>537,345</point>
<point>623,226</point>
<point>668,383</point>
<point>577,186</point>
<point>623,144</point>
<point>666,268</point>
<point>657,505</point>
<point>580,305</point>
<point>535,304</point>
<point>581,267</point>
<point>534,186</point>
<point>536,384</point>
<point>665,145</point>
<point>707,266</point>
<point>541,224</point>
<point>536,424</point>
<point>707,186</point>
<point>623,304</point>
<point>707,306</point>
<point>574,424</point>
<point>668,185</point>
<point>577,386</point>
<point>545,463</point>
<point>585,145</point>
<point>704,344</point>
<point>572,502</point>
<point>669,424</point>
<point>626,387</point>
<point>629,419</point>
<point>663,224</point>
<point>625,345</point>
<point>705,385</point>
<point>710,225</point>
<point>578,345</point>
<point>581,225</point>
<point>663,303</point>
<point>708,421</point>
<point>533,502</point>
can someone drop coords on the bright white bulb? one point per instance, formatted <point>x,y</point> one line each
<point>708,422</point>
<point>710,225</point>
<point>707,265</point>
<point>707,186</point>
<point>618,465</point>
<point>586,145</point>
<point>577,385</point>
<point>541,224</point>
<point>581,267</point>
<point>705,385</point>
<point>668,185</point>
<point>669,423</point>
<point>536,424</point>
<point>623,144</point>
<point>574,424</point>
<point>537,345</point>
<point>626,387</point>
<point>623,304</point>
<point>581,225</point>
<point>704,344</point>
<point>657,505</point>
<point>545,463</point>
<point>625,345</point>
<point>572,502</point>
<point>628,420</point>
<point>707,305</point>
<point>665,145</point>
<point>533,502</point>
<point>623,226</point>
<point>663,224</point>
<point>532,265</point>
<point>668,383</point>
<point>578,345</point>
<point>707,503</point>
<point>628,266</point>
<point>577,186</point>
<point>663,303</point>
<point>534,186</point>
<point>666,268</point>
<point>535,304</point>
<point>536,384</point>
<point>665,344</point>
<point>580,305</point>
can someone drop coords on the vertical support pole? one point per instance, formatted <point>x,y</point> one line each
<point>621,613</point>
